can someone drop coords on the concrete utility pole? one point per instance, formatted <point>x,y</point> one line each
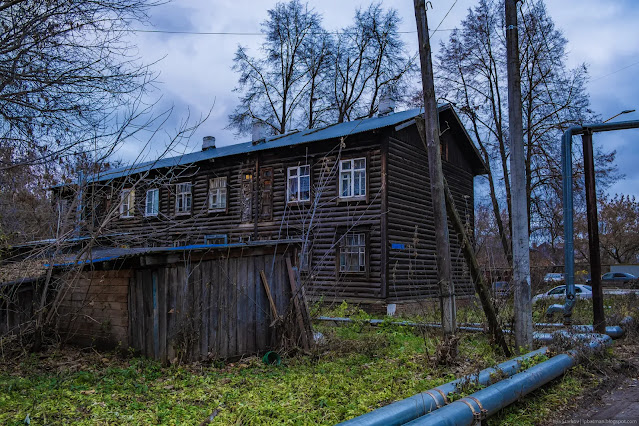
<point>520,243</point>
<point>431,121</point>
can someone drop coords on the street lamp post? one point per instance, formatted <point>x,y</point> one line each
<point>627,111</point>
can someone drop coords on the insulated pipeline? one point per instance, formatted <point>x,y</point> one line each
<point>418,405</point>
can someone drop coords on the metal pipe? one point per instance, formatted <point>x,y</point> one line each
<point>486,402</point>
<point>566,174</point>
<point>613,331</point>
<point>418,405</point>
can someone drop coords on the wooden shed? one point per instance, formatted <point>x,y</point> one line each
<point>186,303</point>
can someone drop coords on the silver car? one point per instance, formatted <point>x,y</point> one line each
<point>581,291</point>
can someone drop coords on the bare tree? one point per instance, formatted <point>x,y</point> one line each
<point>66,70</point>
<point>71,87</point>
<point>369,58</point>
<point>472,74</point>
<point>274,85</point>
<point>307,77</point>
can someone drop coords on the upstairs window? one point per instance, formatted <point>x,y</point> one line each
<point>152,205</point>
<point>299,184</point>
<point>183,198</point>
<point>217,194</point>
<point>352,252</point>
<point>352,178</point>
<point>127,203</point>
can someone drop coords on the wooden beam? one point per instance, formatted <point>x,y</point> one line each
<point>481,287</point>
<point>299,305</point>
<point>267,288</point>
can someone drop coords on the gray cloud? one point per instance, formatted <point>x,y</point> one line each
<point>196,74</point>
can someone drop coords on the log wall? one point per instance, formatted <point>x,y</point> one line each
<point>395,212</point>
<point>412,266</point>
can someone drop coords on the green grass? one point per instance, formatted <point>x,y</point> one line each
<point>359,369</point>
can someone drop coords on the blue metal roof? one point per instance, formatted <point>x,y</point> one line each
<point>293,138</point>
<point>105,254</point>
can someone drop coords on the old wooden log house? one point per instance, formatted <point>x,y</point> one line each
<point>356,193</point>
<point>349,203</point>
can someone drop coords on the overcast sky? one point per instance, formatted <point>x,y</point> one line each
<point>195,72</point>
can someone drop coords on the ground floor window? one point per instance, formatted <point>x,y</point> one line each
<point>352,252</point>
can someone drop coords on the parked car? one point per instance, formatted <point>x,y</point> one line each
<point>616,278</point>
<point>581,291</point>
<point>554,277</point>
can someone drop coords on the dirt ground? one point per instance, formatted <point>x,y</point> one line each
<point>616,401</point>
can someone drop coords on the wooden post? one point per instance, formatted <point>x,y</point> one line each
<point>599,317</point>
<point>431,122</point>
<point>267,288</point>
<point>520,243</point>
<point>481,287</point>
<point>304,327</point>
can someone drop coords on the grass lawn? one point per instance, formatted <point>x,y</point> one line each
<point>356,369</point>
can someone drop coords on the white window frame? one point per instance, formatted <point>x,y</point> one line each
<point>218,187</point>
<point>183,198</point>
<point>353,244</point>
<point>297,178</point>
<point>347,176</point>
<point>127,198</point>
<point>153,202</point>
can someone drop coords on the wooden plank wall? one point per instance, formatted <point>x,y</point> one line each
<point>94,310</point>
<point>206,309</point>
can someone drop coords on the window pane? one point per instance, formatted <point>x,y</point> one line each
<point>345,184</point>
<point>360,183</point>
<point>305,188</point>
<point>353,253</point>
<point>360,163</point>
<point>305,170</point>
<point>345,165</point>
<point>292,189</point>
<point>292,171</point>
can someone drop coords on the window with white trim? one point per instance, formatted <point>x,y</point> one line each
<point>352,178</point>
<point>127,202</point>
<point>352,252</point>
<point>152,204</point>
<point>298,188</point>
<point>217,194</point>
<point>183,198</point>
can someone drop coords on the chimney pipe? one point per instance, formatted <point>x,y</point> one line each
<point>386,104</point>
<point>208,142</point>
<point>258,132</point>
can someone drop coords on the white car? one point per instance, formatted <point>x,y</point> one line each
<point>554,277</point>
<point>581,291</point>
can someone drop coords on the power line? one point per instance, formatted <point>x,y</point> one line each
<point>237,33</point>
<point>445,16</point>
<point>615,72</point>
